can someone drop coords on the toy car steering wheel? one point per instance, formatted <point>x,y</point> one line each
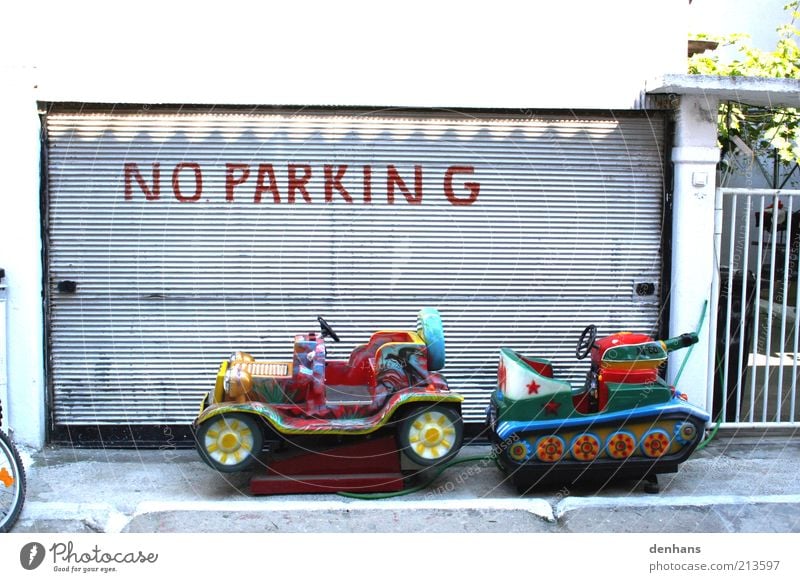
<point>586,342</point>
<point>327,330</point>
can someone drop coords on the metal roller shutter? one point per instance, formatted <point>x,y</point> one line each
<point>155,216</point>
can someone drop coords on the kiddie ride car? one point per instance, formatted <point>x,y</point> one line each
<point>359,424</point>
<point>625,422</point>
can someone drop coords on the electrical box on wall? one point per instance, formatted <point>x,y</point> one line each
<point>645,291</point>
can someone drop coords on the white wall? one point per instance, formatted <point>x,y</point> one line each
<point>20,254</point>
<point>415,53</point>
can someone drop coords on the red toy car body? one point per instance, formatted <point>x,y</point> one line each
<point>391,381</point>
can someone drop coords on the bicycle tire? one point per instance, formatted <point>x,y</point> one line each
<point>12,484</point>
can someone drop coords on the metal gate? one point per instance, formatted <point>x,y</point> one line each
<point>756,328</point>
<point>176,237</point>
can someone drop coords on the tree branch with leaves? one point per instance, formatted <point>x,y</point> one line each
<point>773,134</point>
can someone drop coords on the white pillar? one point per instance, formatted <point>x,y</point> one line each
<point>695,158</point>
<point>21,255</point>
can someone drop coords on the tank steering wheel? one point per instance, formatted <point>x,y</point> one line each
<point>586,342</point>
<point>327,330</point>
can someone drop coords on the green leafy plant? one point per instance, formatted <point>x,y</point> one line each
<point>773,134</point>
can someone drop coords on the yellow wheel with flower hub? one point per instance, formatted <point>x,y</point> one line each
<point>230,442</point>
<point>430,435</point>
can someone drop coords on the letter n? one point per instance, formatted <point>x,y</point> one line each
<point>132,173</point>
<point>393,180</point>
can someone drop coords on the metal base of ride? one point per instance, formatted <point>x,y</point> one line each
<point>371,466</point>
<point>529,478</point>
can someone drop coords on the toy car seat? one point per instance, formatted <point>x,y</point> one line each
<point>625,358</point>
<point>429,330</point>
<point>308,368</point>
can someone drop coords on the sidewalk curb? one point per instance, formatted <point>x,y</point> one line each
<point>105,518</point>
<point>98,517</point>
<point>579,503</point>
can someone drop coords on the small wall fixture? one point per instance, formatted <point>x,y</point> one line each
<point>67,287</point>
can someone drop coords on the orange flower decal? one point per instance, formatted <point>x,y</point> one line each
<point>655,443</point>
<point>6,478</point>
<point>550,449</point>
<point>620,445</point>
<point>586,447</point>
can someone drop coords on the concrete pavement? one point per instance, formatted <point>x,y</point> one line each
<point>736,484</point>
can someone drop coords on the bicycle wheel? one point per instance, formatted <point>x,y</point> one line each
<point>12,484</point>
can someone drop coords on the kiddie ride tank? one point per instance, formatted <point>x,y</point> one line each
<point>349,425</point>
<point>624,422</point>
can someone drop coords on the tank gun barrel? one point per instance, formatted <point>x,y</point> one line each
<point>679,342</point>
